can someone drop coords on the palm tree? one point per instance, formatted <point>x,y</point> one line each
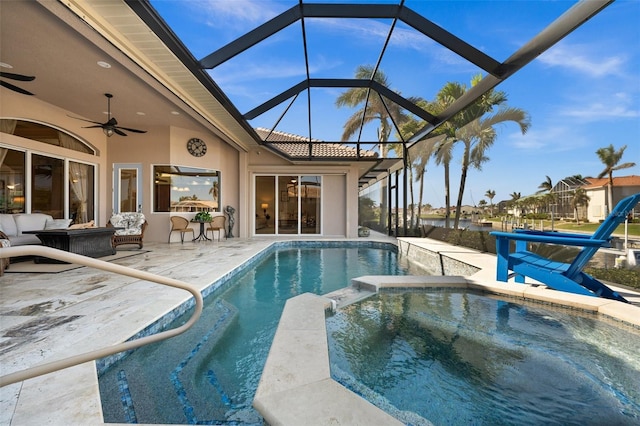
<point>441,141</point>
<point>441,147</point>
<point>420,165</point>
<point>547,185</point>
<point>610,157</point>
<point>372,108</point>
<point>515,196</point>
<point>477,137</point>
<point>417,159</point>
<point>476,133</point>
<point>490,194</point>
<point>579,198</point>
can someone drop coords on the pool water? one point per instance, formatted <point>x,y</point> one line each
<point>459,358</point>
<point>209,374</point>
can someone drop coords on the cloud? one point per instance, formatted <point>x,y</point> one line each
<point>583,59</point>
<point>551,139</point>
<point>616,105</point>
<point>239,11</point>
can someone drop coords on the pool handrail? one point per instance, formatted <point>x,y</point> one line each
<point>50,367</point>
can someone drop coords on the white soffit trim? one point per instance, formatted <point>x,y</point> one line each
<point>122,27</point>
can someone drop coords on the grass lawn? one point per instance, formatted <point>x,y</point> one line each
<point>633,229</point>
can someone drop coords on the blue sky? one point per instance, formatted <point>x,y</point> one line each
<point>582,94</point>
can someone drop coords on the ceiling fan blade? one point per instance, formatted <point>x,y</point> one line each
<point>93,127</point>
<point>88,121</point>
<point>111,124</point>
<point>14,88</point>
<point>18,77</point>
<point>132,130</point>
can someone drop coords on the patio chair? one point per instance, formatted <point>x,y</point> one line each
<point>132,226</point>
<point>4,261</point>
<point>181,225</point>
<point>557,275</point>
<point>217,224</point>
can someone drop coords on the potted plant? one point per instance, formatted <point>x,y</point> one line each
<point>203,217</point>
<point>363,231</point>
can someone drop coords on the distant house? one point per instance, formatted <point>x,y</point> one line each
<point>596,190</point>
<point>564,191</point>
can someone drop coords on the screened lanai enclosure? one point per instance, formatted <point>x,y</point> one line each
<point>349,84</point>
<point>399,129</point>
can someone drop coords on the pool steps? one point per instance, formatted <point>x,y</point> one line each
<point>296,387</point>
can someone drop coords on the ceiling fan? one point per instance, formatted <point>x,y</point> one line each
<point>17,77</point>
<point>111,126</point>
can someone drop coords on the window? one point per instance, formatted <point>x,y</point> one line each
<point>45,187</point>
<point>12,181</point>
<point>44,134</point>
<point>185,189</point>
<point>81,192</point>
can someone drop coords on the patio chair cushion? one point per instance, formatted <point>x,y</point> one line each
<point>130,222</point>
<point>4,262</point>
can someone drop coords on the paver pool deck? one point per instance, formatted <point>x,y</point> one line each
<point>44,317</point>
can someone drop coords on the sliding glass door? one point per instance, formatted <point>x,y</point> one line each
<point>288,204</point>
<point>288,212</point>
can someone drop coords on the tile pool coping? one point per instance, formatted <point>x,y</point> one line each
<point>296,385</point>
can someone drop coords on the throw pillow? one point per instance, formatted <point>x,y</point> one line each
<point>57,223</point>
<point>90,224</point>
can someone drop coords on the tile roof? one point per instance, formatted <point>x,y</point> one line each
<point>631,180</point>
<point>296,146</point>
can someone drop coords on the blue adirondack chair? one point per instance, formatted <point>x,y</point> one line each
<point>557,275</point>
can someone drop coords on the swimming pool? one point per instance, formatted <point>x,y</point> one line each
<point>210,373</point>
<point>461,358</point>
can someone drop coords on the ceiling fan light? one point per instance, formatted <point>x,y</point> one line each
<point>108,131</point>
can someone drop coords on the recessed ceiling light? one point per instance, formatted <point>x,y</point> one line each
<point>175,113</point>
<point>140,113</point>
<point>5,65</point>
<point>104,64</point>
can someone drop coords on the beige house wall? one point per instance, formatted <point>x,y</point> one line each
<point>597,204</point>
<point>598,199</point>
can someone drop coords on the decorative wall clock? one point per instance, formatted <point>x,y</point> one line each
<point>196,147</point>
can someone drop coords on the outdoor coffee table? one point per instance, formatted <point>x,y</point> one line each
<point>92,242</point>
